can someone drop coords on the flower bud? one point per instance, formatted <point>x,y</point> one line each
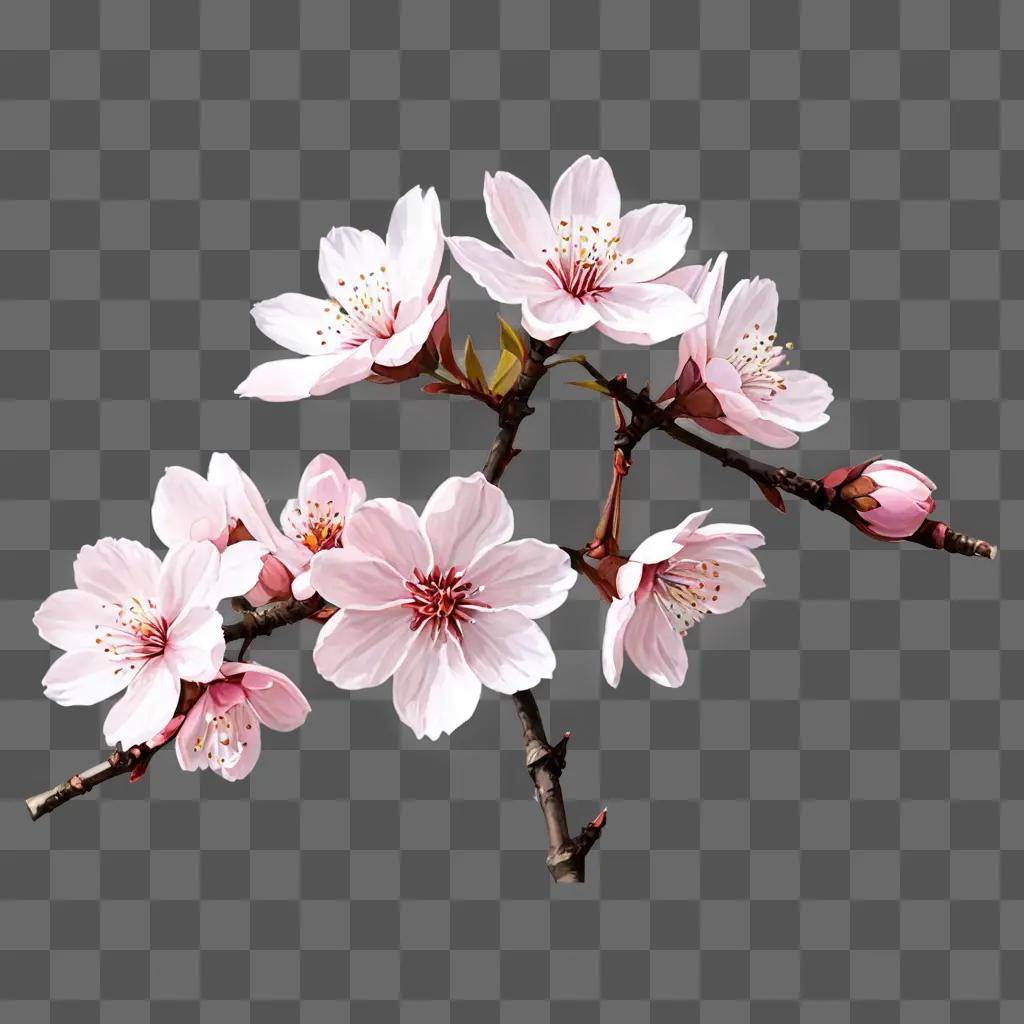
<point>884,498</point>
<point>274,583</point>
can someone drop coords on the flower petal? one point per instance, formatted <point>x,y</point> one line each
<point>402,346</point>
<point>620,611</point>
<point>303,324</point>
<point>345,253</point>
<point>195,645</point>
<point>464,517</point>
<point>188,578</point>
<point>655,647</point>
<point>349,578</point>
<point>556,314</point>
<point>358,648</point>
<point>354,367</point>
<point>186,506</point>
<point>147,706</point>
<point>390,531</point>
<point>652,240</point>
<point>503,278</point>
<point>802,403</point>
<point>657,547</point>
<point>188,744</point>
<point>518,218</point>
<point>287,380</point>
<point>117,570</point>
<point>898,514</point>
<point>240,567</point>
<point>83,677</point>
<point>657,310</point>
<point>586,191</point>
<point>415,244</point>
<point>278,702</point>
<point>749,303</point>
<point>890,472</point>
<point>435,691</point>
<point>507,651</point>
<point>68,619</point>
<point>528,575</point>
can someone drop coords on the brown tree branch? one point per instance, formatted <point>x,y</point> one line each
<point>260,622</point>
<point>566,853</point>
<point>648,416</point>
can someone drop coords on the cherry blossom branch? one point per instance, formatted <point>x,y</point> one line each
<point>566,853</point>
<point>135,760</point>
<point>648,416</point>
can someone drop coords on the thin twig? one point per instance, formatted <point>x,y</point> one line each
<point>566,853</point>
<point>648,416</point>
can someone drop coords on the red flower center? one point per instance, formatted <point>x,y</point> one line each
<point>445,600</point>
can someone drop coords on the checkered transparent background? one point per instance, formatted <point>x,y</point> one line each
<point>825,825</point>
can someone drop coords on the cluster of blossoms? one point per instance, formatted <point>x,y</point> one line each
<point>444,602</point>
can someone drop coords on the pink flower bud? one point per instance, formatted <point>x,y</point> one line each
<point>884,498</point>
<point>274,583</point>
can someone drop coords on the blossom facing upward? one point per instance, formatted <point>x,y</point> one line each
<point>728,378</point>
<point>133,623</point>
<point>583,264</point>
<point>382,302</point>
<point>261,561</point>
<point>222,729</point>
<point>884,498</point>
<point>672,580</point>
<point>442,601</point>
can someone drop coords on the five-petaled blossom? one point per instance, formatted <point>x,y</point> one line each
<point>728,379</point>
<point>227,508</point>
<point>443,601</point>
<point>582,265</point>
<point>222,729</point>
<point>884,498</point>
<point>134,622</point>
<point>672,580</point>
<point>381,304</point>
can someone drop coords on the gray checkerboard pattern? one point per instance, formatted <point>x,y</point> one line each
<point>827,823</point>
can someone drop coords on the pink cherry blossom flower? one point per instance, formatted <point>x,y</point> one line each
<point>728,379</point>
<point>381,305</point>
<point>134,623</point>
<point>222,729</point>
<point>443,601</point>
<point>885,498</point>
<point>672,580</point>
<point>317,517</point>
<point>583,265</point>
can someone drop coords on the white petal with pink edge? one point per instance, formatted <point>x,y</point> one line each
<point>654,646</point>
<point>464,517</point>
<point>435,691</point>
<point>303,324</point>
<point>349,578</point>
<point>345,254</point>
<point>117,570</point>
<point>585,192</point>
<point>656,310</point>
<point>620,612</point>
<point>553,315</point>
<point>415,244</point>
<point>83,677</point>
<point>240,568</point>
<point>528,575</point>
<point>68,619</point>
<point>359,648</point>
<point>405,343</point>
<point>504,278</point>
<point>195,645</point>
<point>186,506</point>
<point>147,706</point>
<point>388,530</point>
<point>507,651</point>
<point>519,218</point>
<point>288,380</point>
<point>188,578</point>
<point>653,238</point>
